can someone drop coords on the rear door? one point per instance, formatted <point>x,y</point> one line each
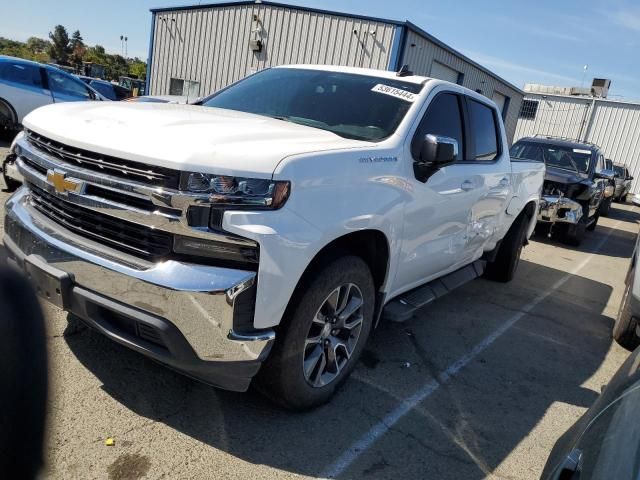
<point>21,84</point>
<point>65,88</point>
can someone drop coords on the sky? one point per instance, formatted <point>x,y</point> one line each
<point>549,43</point>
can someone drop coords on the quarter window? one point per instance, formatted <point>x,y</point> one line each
<point>484,131</point>
<point>443,117</point>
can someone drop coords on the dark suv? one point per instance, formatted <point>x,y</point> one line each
<point>575,183</point>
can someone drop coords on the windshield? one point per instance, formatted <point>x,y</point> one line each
<point>352,106</point>
<point>576,159</point>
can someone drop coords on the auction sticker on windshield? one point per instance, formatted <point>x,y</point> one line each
<point>579,150</point>
<point>394,92</point>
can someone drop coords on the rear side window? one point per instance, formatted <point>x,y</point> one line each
<point>22,74</point>
<point>443,117</point>
<point>484,131</point>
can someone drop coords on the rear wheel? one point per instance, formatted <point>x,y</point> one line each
<point>504,267</point>
<point>322,336</point>
<point>625,328</point>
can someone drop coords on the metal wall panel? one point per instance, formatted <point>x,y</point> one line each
<point>614,126</point>
<point>210,45</point>
<point>420,53</point>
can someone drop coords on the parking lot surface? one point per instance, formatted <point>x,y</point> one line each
<point>478,385</point>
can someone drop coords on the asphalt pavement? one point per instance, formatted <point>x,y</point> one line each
<point>478,385</point>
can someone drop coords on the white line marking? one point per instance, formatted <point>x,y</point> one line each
<point>369,438</point>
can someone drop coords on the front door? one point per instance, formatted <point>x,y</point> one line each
<point>436,219</point>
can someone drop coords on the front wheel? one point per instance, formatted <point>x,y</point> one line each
<point>574,234</point>
<point>322,335</point>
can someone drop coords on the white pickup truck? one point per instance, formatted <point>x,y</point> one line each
<point>264,232</point>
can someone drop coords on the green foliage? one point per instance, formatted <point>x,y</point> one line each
<point>34,49</point>
<point>73,51</point>
<point>60,48</point>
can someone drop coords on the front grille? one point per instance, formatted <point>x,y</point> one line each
<point>128,237</point>
<point>113,166</point>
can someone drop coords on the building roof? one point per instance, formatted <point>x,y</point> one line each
<point>537,95</point>
<point>406,24</point>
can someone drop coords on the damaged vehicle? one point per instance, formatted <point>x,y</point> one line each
<point>576,184</point>
<point>265,236</point>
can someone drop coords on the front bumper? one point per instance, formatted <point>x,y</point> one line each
<point>558,209</point>
<point>177,313</point>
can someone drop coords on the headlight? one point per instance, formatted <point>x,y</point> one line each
<point>237,191</point>
<point>609,190</point>
<point>15,141</point>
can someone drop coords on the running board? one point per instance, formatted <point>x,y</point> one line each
<point>402,308</point>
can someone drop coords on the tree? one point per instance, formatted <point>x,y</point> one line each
<point>76,40</point>
<point>60,46</point>
<point>138,69</point>
<point>38,45</point>
<point>78,50</point>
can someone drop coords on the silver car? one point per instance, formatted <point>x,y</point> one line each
<point>623,182</point>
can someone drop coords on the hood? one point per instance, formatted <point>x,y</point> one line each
<point>560,175</point>
<point>183,137</point>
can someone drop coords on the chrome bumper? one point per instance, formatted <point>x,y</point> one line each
<point>557,209</point>
<point>198,300</point>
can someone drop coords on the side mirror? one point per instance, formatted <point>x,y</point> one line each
<point>606,174</point>
<point>630,177</point>
<point>438,150</point>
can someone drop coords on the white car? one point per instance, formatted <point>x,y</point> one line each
<point>266,230</point>
<point>27,85</point>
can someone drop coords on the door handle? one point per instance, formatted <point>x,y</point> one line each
<point>467,185</point>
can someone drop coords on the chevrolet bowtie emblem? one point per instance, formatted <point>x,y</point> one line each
<point>61,183</point>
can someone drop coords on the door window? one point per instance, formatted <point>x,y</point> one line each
<point>65,87</point>
<point>484,131</point>
<point>23,74</point>
<point>443,117</point>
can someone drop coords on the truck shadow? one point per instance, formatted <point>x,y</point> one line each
<point>465,429</point>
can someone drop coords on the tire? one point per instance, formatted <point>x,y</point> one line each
<point>624,328</point>
<point>504,267</point>
<point>8,120</point>
<point>592,225</point>
<point>283,377</point>
<point>605,207</point>
<point>574,234</point>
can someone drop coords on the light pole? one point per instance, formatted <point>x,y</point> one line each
<point>584,74</point>
<point>121,45</point>
<point>126,49</point>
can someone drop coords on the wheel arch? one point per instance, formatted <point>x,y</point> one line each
<point>12,111</point>
<point>371,245</point>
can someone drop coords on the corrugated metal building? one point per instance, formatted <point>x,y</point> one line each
<point>197,50</point>
<point>611,124</point>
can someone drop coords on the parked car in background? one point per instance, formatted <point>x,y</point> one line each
<point>161,99</point>
<point>575,183</point>
<point>107,89</point>
<point>272,225</point>
<point>605,204</point>
<point>623,182</point>
<point>605,442</point>
<point>27,85</point>
<point>626,329</point>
